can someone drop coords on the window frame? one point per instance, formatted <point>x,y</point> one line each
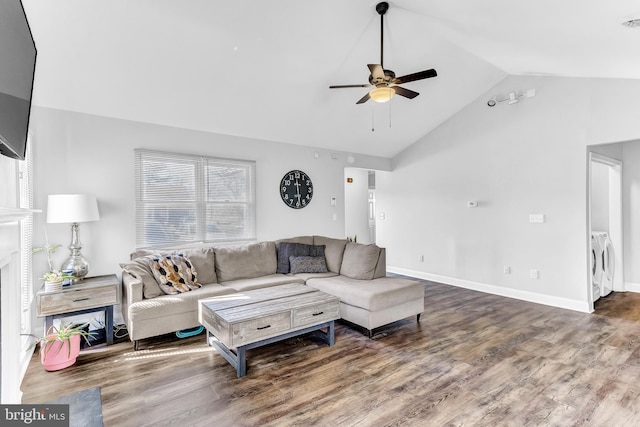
<point>144,201</point>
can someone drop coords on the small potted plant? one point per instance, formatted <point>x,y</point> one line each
<point>60,347</point>
<point>53,278</point>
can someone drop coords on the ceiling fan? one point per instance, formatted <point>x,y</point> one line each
<point>384,79</point>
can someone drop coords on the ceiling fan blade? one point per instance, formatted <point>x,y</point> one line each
<point>363,99</point>
<point>376,71</point>
<point>343,86</point>
<point>405,92</point>
<point>415,76</point>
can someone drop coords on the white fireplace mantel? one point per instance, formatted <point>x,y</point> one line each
<point>14,356</point>
<point>15,214</point>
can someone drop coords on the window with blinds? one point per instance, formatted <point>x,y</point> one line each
<point>182,199</point>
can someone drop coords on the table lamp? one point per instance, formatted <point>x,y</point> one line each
<point>73,208</point>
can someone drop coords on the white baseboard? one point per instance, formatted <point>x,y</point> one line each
<point>559,302</point>
<point>631,287</point>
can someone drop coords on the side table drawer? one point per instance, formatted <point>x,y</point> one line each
<point>316,313</point>
<point>255,330</point>
<point>63,302</point>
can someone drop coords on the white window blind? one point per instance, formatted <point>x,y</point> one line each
<point>182,199</point>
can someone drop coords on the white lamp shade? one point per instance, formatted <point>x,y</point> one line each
<point>70,208</point>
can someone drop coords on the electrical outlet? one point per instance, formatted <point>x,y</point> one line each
<point>507,269</point>
<point>534,274</point>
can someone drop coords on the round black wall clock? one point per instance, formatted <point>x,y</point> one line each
<point>296,189</point>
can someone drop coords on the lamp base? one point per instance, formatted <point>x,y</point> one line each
<point>76,262</point>
<point>78,265</point>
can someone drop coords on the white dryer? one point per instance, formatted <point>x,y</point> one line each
<point>596,266</point>
<point>607,259</point>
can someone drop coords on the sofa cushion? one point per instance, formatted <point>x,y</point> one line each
<point>245,262</point>
<point>140,269</point>
<point>261,282</point>
<point>333,252</point>
<point>203,261</point>
<point>174,274</point>
<point>288,249</point>
<point>307,276</point>
<point>308,264</point>
<point>371,295</point>
<point>168,305</point>
<point>359,261</point>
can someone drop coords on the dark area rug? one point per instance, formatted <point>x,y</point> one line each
<point>85,407</point>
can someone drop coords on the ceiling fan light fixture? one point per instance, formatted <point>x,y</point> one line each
<point>382,94</point>
<point>632,23</point>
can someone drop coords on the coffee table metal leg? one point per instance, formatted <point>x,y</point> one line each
<point>329,336</point>
<point>238,359</point>
<point>242,362</point>
<point>331,333</point>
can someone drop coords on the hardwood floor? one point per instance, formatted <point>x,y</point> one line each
<point>473,360</point>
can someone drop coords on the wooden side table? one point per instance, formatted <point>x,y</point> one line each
<point>90,295</point>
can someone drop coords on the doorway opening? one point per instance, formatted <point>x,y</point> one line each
<point>605,227</point>
<point>360,205</point>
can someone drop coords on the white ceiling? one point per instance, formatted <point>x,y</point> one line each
<point>262,69</point>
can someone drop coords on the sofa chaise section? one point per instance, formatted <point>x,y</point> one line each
<point>374,303</point>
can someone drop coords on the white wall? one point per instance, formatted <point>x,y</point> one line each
<point>631,210</point>
<point>514,160</point>
<point>81,153</point>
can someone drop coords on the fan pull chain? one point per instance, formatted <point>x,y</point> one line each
<point>389,115</point>
<point>373,127</point>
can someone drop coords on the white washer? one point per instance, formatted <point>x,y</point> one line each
<point>596,266</point>
<point>607,259</point>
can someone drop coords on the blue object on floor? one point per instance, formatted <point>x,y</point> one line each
<point>185,333</point>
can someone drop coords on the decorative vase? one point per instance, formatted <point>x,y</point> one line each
<point>56,355</point>
<point>53,286</point>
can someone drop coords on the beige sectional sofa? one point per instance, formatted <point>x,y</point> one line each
<point>355,273</point>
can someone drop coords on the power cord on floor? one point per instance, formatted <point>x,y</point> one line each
<point>120,331</point>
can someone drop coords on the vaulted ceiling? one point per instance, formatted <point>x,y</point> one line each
<point>262,69</point>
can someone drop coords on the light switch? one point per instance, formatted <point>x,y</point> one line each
<point>333,200</point>
<point>536,218</point>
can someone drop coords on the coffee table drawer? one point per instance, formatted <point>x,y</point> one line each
<point>257,329</point>
<point>316,313</point>
<point>213,323</point>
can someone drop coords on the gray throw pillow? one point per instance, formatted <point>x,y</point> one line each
<point>307,264</point>
<point>289,249</point>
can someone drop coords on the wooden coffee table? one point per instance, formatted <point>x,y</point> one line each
<point>239,322</point>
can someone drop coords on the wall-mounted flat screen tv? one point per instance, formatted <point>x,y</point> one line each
<point>17,67</point>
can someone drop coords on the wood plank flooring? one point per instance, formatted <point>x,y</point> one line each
<point>473,360</point>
